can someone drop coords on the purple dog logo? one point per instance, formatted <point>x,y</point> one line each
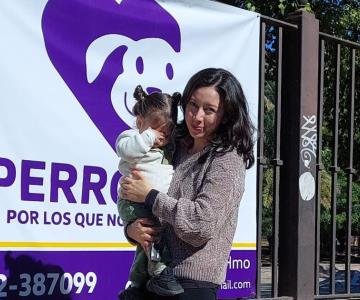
<point>103,48</point>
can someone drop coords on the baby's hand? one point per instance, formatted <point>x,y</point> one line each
<point>160,139</point>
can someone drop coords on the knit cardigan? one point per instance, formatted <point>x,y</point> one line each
<point>200,213</point>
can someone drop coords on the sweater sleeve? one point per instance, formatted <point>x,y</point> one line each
<point>131,144</point>
<point>195,221</point>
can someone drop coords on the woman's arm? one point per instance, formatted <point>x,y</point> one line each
<point>196,221</point>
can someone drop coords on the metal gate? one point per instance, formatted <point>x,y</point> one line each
<point>309,95</point>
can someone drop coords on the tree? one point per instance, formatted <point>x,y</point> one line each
<point>340,18</point>
<point>337,17</point>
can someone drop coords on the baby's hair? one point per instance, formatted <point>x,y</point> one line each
<point>156,104</point>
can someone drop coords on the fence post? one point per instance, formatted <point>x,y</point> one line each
<point>298,152</point>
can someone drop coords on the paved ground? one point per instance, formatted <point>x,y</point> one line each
<point>324,271</point>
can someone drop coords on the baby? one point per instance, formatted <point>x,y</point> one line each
<point>148,148</point>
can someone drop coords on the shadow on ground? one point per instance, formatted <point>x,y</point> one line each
<point>340,283</point>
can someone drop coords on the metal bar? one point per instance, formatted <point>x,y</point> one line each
<point>275,232</point>
<point>319,165</point>
<point>276,22</point>
<point>334,168</point>
<point>352,108</point>
<point>261,160</point>
<point>339,40</point>
<point>350,174</point>
<point>261,93</point>
<point>278,298</point>
<point>338,296</point>
<point>277,164</point>
<point>298,151</point>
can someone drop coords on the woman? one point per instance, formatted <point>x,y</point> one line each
<point>199,213</point>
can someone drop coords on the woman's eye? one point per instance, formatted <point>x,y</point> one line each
<point>192,103</point>
<point>210,111</point>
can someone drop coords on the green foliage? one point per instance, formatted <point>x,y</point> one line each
<point>343,193</point>
<point>325,193</point>
<point>340,18</point>
<point>342,196</point>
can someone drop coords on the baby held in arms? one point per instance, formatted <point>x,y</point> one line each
<point>149,149</point>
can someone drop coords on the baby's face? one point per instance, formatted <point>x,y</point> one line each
<point>159,125</point>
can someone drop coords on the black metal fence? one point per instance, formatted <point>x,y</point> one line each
<point>308,113</point>
<point>337,89</point>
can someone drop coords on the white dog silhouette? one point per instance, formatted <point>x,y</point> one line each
<point>148,62</point>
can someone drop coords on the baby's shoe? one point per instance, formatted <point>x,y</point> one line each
<point>165,284</point>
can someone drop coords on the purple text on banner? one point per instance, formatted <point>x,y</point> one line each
<point>80,275</point>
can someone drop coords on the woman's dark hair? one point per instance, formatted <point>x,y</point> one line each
<point>156,104</point>
<point>236,129</point>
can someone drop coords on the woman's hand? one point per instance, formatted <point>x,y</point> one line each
<point>136,188</point>
<point>142,231</point>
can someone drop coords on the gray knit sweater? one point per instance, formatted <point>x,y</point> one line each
<point>200,214</point>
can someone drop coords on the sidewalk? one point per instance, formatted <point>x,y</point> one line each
<point>324,279</point>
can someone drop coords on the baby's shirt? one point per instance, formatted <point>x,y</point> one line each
<point>134,150</point>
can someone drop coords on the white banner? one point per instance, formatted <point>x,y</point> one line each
<point>68,71</point>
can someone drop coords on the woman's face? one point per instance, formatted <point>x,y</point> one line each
<point>203,114</point>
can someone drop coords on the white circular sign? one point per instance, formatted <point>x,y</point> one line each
<point>307,186</point>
